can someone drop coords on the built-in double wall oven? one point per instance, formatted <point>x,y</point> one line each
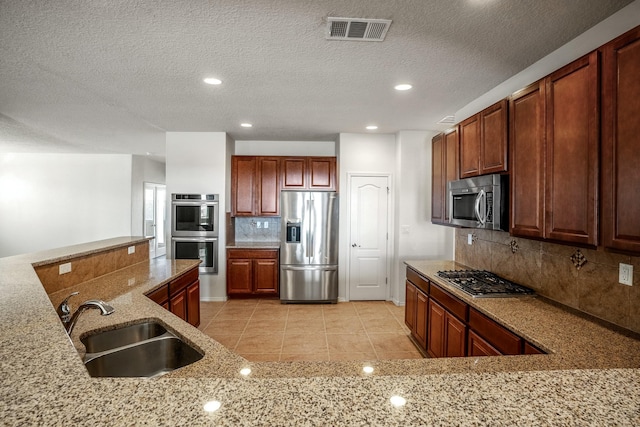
<point>194,229</point>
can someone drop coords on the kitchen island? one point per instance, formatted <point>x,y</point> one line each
<point>591,375</point>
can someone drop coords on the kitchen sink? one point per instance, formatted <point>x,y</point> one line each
<point>141,350</point>
<point>120,337</point>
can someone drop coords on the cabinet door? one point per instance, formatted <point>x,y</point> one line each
<point>322,173</point>
<point>160,296</point>
<point>572,146</point>
<point>438,194</point>
<point>435,330</point>
<point>178,304</point>
<point>294,170</point>
<point>410,306</point>
<point>455,336</point>
<point>470,147</point>
<point>479,347</point>
<point>266,276</point>
<point>243,173</point>
<point>451,166</point>
<point>268,186</point>
<point>526,154</point>
<point>239,276</point>
<point>422,311</point>
<point>493,139</point>
<point>193,303</point>
<point>620,147</point>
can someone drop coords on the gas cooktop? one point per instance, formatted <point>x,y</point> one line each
<point>484,284</point>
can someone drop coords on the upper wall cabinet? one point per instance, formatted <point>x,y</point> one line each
<point>309,173</point>
<point>621,143</point>
<point>444,162</point>
<point>554,155</point>
<point>255,186</point>
<point>483,142</point>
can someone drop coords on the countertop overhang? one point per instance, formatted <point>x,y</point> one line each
<point>588,379</point>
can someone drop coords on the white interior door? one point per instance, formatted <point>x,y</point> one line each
<point>155,215</point>
<point>368,261</point>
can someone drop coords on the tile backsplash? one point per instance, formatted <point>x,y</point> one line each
<point>585,279</point>
<point>253,229</point>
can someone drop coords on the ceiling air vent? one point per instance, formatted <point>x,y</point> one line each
<point>367,30</point>
<point>448,120</point>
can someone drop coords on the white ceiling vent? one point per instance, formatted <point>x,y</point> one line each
<point>448,120</point>
<point>367,30</point>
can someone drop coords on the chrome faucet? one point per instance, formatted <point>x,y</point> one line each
<point>69,320</point>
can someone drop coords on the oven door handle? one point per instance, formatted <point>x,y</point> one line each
<point>482,198</point>
<point>194,239</point>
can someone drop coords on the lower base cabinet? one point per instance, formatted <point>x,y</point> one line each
<point>252,273</point>
<point>477,346</point>
<point>181,296</point>
<point>446,333</point>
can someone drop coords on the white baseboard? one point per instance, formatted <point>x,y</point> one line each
<point>213,299</point>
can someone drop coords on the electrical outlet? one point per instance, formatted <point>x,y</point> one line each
<point>625,275</point>
<point>64,268</point>
<point>259,224</point>
<point>266,224</point>
<point>131,250</point>
<point>469,239</point>
<point>131,281</point>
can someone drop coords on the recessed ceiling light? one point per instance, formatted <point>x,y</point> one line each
<point>246,125</point>
<point>372,127</point>
<point>403,86</point>
<point>212,81</point>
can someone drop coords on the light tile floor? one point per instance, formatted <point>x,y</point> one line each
<point>266,330</point>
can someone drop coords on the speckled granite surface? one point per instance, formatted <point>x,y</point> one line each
<point>253,245</point>
<point>592,377</point>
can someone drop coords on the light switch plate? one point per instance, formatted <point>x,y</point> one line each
<point>626,274</point>
<point>259,224</point>
<point>64,268</point>
<point>131,250</point>
<point>469,239</point>
<point>266,224</point>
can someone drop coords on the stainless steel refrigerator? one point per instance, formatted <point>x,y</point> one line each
<point>309,246</point>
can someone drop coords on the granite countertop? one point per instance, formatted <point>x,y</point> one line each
<point>591,377</point>
<point>253,245</point>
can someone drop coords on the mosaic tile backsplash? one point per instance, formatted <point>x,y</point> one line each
<point>585,279</point>
<point>249,229</point>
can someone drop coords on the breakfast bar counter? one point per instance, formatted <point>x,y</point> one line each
<point>591,375</point>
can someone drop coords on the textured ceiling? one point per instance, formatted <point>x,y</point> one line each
<point>114,75</point>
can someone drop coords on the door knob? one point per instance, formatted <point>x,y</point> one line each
<point>354,245</point>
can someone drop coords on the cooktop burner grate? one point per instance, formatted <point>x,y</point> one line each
<point>484,284</point>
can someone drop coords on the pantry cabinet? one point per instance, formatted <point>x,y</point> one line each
<point>252,272</point>
<point>620,143</point>
<point>483,142</point>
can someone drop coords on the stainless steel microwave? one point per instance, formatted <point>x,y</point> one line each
<point>480,202</point>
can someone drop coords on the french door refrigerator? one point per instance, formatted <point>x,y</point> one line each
<point>309,246</point>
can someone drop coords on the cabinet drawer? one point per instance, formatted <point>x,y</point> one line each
<point>160,295</point>
<point>420,282</point>
<point>252,254</point>
<point>183,281</point>
<point>451,303</point>
<point>531,349</point>
<point>499,337</point>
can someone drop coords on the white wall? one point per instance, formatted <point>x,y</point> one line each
<point>617,24</point>
<point>196,163</point>
<point>53,200</point>
<point>143,170</point>
<point>417,237</point>
<point>362,153</point>
<point>285,148</point>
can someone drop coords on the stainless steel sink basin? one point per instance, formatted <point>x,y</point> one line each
<point>120,337</point>
<point>141,350</point>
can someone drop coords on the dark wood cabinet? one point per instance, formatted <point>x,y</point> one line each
<point>255,186</point>
<point>411,295</point>
<point>444,168</point>
<point>483,141</point>
<point>470,147</point>
<point>621,143</point>
<point>420,329</point>
<point>505,341</point>
<point>572,152</point>
<point>526,160</point>
<point>416,307</point>
<point>446,336</point>
<point>181,296</point>
<point>479,347</point>
<point>309,173</point>
<point>252,272</point>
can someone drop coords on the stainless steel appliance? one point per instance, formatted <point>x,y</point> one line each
<point>203,248</point>
<point>480,202</point>
<point>194,215</point>
<point>309,246</point>
<point>194,229</point>
<point>484,284</point>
